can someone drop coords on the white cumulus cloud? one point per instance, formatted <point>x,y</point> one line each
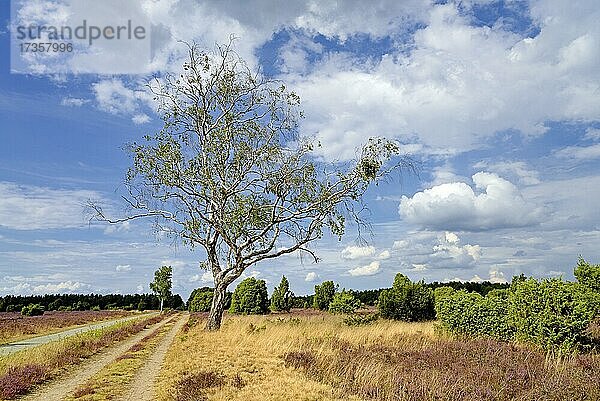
<point>368,270</point>
<point>493,203</point>
<point>205,277</point>
<point>384,255</point>
<point>311,276</point>
<point>355,252</point>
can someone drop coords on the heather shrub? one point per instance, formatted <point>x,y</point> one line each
<point>406,301</point>
<point>324,295</point>
<point>32,310</point>
<point>202,301</point>
<point>281,300</point>
<point>250,298</point>
<point>344,302</point>
<point>17,380</point>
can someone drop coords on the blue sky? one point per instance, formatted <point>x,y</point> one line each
<point>500,101</point>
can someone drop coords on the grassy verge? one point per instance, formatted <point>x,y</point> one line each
<point>15,327</point>
<point>320,358</point>
<point>111,382</point>
<point>21,371</point>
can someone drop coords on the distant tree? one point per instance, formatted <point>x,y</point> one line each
<point>81,305</point>
<point>407,301</point>
<point>161,286</point>
<point>32,310</point>
<point>324,295</point>
<point>201,301</point>
<point>195,291</point>
<point>344,302</point>
<point>176,302</point>
<point>281,300</point>
<point>588,274</point>
<point>250,298</point>
<point>229,171</point>
<point>54,305</point>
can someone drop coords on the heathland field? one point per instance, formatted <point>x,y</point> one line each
<point>307,355</point>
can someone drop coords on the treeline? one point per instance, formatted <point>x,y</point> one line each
<point>203,295</point>
<point>80,302</point>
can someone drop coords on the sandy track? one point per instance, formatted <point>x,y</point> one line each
<point>142,387</point>
<point>57,389</point>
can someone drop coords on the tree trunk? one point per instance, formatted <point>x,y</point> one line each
<point>161,305</point>
<point>217,308</point>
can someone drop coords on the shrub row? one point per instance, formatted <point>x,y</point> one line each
<point>551,313</point>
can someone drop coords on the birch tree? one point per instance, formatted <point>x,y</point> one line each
<point>230,174</point>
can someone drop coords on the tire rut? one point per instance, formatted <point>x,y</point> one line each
<point>142,386</point>
<point>60,387</point>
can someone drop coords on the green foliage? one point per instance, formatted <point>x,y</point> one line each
<point>162,284</point>
<point>360,320</point>
<point>201,301</point>
<point>324,295</point>
<point>367,297</point>
<point>281,300</point>
<point>553,313</point>
<point>250,298</point>
<point>406,301</point>
<point>469,313</point>
<point>82,305</point>
<point>588,274</point>
<point>344,302</point>
<point>32,310</point>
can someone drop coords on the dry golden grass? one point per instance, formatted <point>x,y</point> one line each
<point>287,357</point>
<point>247,355</point>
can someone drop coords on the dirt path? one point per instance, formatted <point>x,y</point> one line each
<point>142,387</point>
<point>10,348</point>
<point>56,390</point>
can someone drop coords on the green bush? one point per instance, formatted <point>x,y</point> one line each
<point>588,274</point>
<point>469,313</point>
<point>323,295</point>
<point>553,313</point>
<point>32,310</point>
<point>281,300</point>
<point>250,298</point>
<point>344,302</point>
<point>406,301</point>
<point>142,305</point>
<point>202,301</point>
